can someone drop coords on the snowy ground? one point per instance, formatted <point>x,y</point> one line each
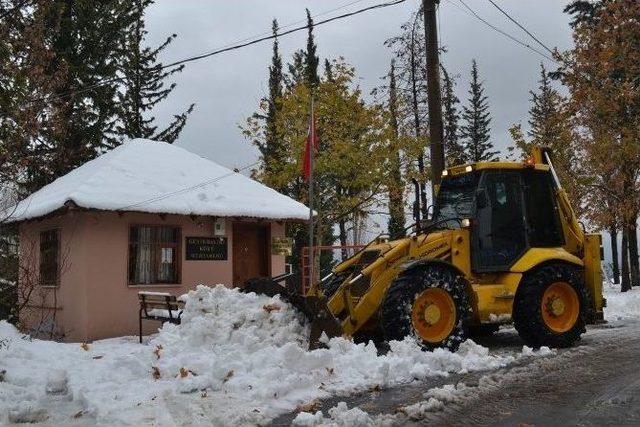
<point>621,305</point>
<point>222,366</point>
<point>453,403</point>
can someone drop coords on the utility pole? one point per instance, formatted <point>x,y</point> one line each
<point>434,95</point>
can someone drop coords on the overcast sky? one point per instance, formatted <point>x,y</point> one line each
<point>227,88</point>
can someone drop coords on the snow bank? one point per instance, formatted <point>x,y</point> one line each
<point>621,305</point>
<point>237,359</point>
<point>339,416</point>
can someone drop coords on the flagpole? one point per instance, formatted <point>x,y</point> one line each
<point>312,132</point>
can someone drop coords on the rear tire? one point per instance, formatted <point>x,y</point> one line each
<point>406,304</point>
<point>550,307</point>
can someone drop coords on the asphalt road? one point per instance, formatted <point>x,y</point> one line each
<point>595,383</point>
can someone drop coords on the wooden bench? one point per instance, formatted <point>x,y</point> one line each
<point>159,306</point>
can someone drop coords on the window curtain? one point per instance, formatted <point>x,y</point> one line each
<point>166,265</point>
<point>143,256</point>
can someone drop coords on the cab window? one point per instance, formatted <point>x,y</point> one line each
<point>500,236</point>
<point>543,222</point>
<point>455,200</point>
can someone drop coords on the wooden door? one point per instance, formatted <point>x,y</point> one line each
<point>250,251</point>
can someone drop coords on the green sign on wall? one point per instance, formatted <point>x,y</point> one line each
<point>206,249</point>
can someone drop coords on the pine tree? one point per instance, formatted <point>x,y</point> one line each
<point>411,75</point>
<point>476,128</point>
<point>271,150</point>
<point>66,46</point>
<point>328,71</point>
<point>454,150</point>
<point>303,67</point>
<point>396,186</point>
<point>585,11</point>
<point>270,146</point>
<point>144,84</point>
<point>311,59</point>
<point>545,108</point>
<point>296,70</point>
<point>12,84</point>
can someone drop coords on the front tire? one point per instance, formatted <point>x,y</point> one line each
<point>429,302</point>
<point>550,308</point>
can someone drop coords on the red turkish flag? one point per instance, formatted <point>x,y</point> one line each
<point>310,148</point>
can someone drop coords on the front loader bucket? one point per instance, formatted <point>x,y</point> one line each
<point>313,307</point>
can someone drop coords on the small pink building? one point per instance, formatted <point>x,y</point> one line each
<point>145,216</point>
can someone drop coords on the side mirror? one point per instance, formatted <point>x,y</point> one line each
<point>481,199</point>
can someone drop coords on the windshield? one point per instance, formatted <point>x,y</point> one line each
<point>455,199</point>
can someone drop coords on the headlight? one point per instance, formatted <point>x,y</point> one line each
<point>465,223</point>
<point>445,172</point>
<point>468,168</point>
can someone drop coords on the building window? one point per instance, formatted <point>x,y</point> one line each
<point>154,255</point>
<point>50,257</point>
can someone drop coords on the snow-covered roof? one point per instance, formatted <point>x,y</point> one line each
<point>150,176</point>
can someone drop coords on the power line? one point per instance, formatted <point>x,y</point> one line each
<point>504,33</point>
<point>224,49</point>
<point>187,189</point>
<point>293,30</point>
<point>281,27</point>
<point>521,27</point>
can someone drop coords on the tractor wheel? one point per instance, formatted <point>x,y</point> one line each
<point>430,303</point>
<point>332,285</point>
<point>550,307</point>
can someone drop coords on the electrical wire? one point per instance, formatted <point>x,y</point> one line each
<point>473,13</point>
<point>224,49</point>
<point>281,27</point>
<point>284,33</point>
<point>521,27</point>
<point>186,189</point>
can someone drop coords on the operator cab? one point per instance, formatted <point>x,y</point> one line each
<point>509,210</point>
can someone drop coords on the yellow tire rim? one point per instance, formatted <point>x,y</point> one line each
<point>560,307</point>
<point>433,315</point>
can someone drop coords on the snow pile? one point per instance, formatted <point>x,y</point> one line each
<point>237,359</point>
<point>253,350</point>
<point>541,352</point>
<point>339,416</point>
<point>436,400</point>
<point>621,305</point>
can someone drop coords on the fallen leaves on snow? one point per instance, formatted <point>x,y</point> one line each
<point>271,307</point>
<point>158,350</point>
<point>311,407</point>
<point>228,376</point>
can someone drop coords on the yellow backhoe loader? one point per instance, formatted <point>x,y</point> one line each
<point>503,245</point>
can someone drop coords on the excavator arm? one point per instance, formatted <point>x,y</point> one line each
<point>577,242</point>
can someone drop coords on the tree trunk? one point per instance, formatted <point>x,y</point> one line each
<point>613,232</point>
<point>343,237</point>
<point>625,281</point>
<point>418,131</point>
<point>634,265</point>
